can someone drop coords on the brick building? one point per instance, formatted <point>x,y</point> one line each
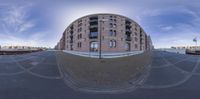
<point>108,32</point>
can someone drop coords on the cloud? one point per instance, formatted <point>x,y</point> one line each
<point>167,28</point>
<point>175,25</point>
<point>37,39</point>
<point>19,28</point>
<point>15,19</point>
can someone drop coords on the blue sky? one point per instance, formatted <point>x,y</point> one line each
<point>41,23</point>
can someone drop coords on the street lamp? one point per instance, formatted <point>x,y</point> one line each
<point>101,20</point>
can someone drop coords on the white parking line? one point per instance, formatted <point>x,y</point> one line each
<point>35,74</point>
<point>187,77</point>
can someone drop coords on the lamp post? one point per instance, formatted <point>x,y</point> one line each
<point>195,40</point>
<point>101,20</point>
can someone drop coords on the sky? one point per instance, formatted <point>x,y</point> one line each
<point>42,22</point>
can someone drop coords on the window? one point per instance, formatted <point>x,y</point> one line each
<point>79,21</point>
<point>114,25</point>
<point>136,34</point>
<point>128,46</point>
<point>111,33</point>
<point>136,46</point>
<point>111,25</point>
<point>136,39</point>
<point>80,36</point>
<point>112,43</point>
<point>79,24</point>
<point>79,44</point>
<point>79,29</point>
<point>114,33</point>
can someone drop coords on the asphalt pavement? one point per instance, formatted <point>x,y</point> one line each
<point>37,76</point>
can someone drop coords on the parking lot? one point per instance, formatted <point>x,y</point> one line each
<point>37,76</point>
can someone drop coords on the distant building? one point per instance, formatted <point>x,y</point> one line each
<point>20,48</point>
<point>185,47</point>
<point>115,32</point>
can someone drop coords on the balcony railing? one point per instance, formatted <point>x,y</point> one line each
<point>94,26</point>
<point>128,38</point>
<point>71,41</point>
<point>94,20</point>
<point>128,26</point>
<point>93,35</point>
<point>93,23</point>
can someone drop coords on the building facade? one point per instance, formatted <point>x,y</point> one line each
<point>105,32</point>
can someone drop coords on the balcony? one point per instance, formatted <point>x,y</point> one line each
<point>94,20</point>
<point>93,35</point>
<point>128,23</point>
<point>94,26</point>
<point>128,26</point>
<point>71,31</point>
<point>128,38</point>
<point>94,23</point>
<point>128,31</point>
<point>71,36</point>
<point>94,29</point>
<point>71,41</point>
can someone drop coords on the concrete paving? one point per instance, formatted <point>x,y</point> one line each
<point>107,75</point>
<point>37,76</point>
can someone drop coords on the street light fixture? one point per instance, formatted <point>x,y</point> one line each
<point>101,20</point>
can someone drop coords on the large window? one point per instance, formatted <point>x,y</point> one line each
<point>94,46</point>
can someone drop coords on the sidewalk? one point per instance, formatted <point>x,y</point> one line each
<point>104,54</point>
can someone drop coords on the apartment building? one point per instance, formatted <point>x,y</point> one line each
<point>105,32</point>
